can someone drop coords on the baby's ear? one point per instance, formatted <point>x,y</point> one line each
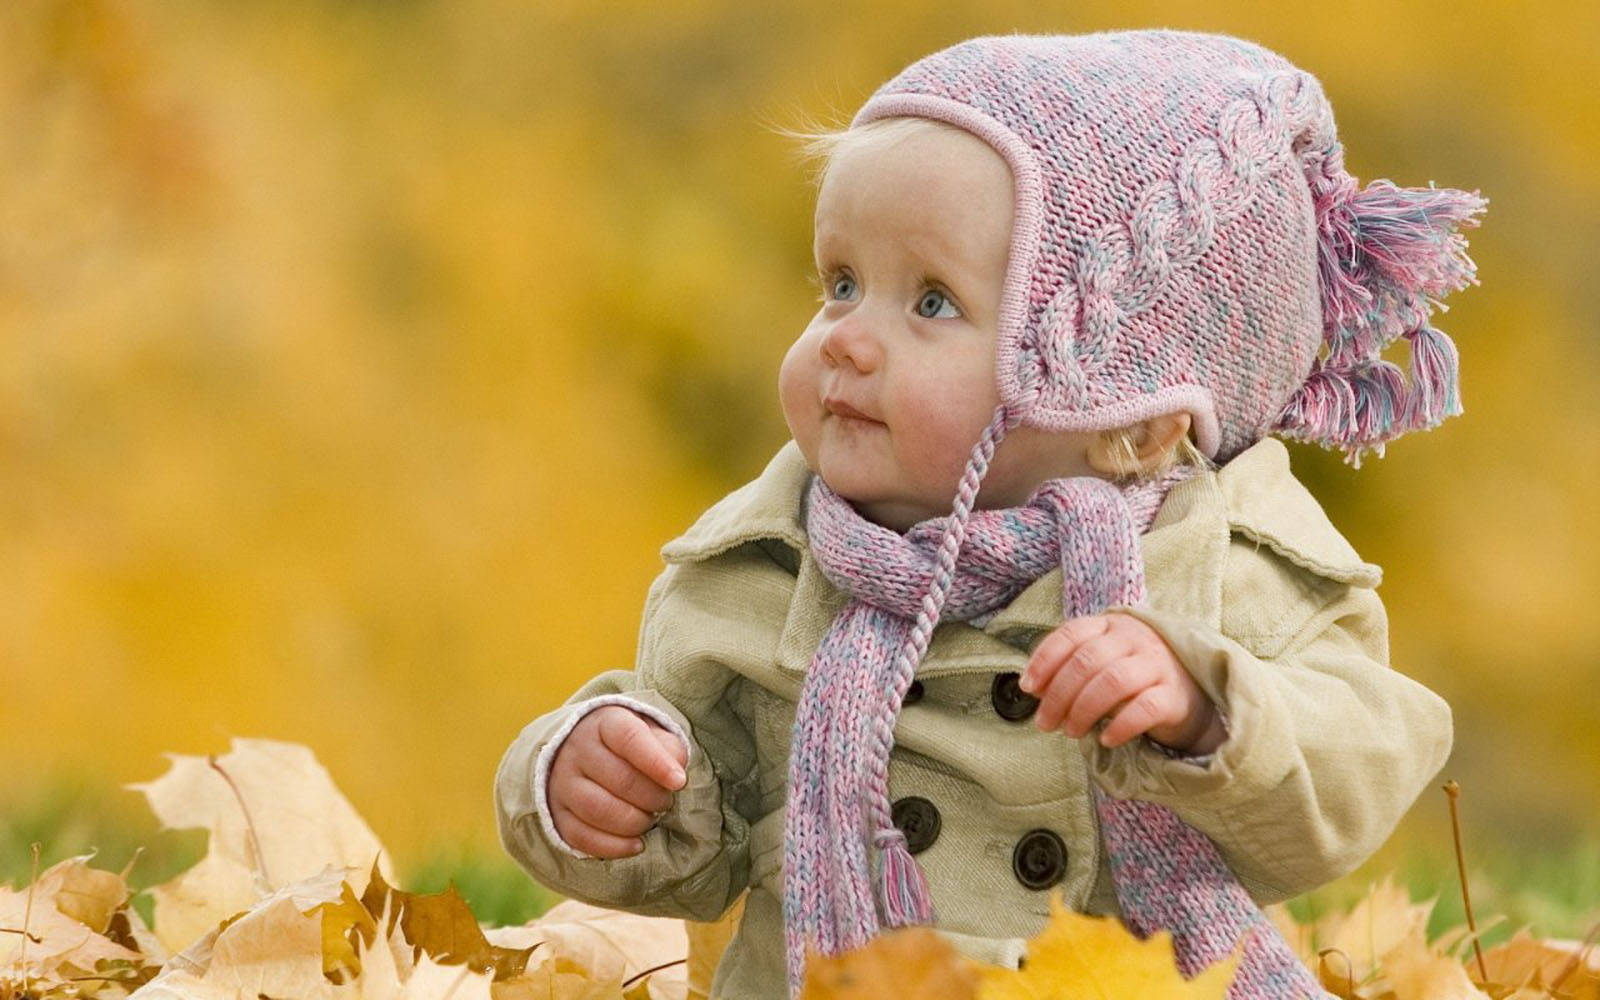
<point>1140,449</point>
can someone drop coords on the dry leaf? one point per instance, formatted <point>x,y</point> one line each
<point>1525,961</point>
<point>1385,919</point>
<point>384,977</point>
<point>443,926</point>
<point>275,818</point>
<point>1078,957</point>
<point>611,945</point>
<point>59,939</point>
<point>1416,972</point>
<point>259,941</point>
<point>913,962</point>
<point>182,985</point>
<point>87,895</point>
<point>707,942</point>
<point>558,979</point>
<point>273,950</point>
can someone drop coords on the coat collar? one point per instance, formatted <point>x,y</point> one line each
<point>1254,495</point>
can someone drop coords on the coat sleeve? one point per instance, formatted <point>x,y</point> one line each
<point>696,859</point>
<point>1327,746</point>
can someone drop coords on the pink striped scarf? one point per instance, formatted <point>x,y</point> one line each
<point>1167,874</point>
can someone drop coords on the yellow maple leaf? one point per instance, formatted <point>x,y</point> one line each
<point>1078,957</point>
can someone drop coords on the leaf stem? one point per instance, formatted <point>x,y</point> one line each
<point>27,918</point>
<point>1453,792</point>
<point>1349,969</point>
<point>664,965</point>
<point>249,824</point>
<point>1578,958</point>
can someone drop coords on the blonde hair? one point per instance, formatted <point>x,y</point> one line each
<point>820,145</point>
<point>1125,450</point>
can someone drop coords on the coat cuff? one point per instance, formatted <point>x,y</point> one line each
<point>547,756</point>
<point>1254,758</point>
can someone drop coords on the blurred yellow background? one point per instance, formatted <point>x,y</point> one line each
<point>358,357</point>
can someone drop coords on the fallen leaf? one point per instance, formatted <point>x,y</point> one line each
<point>1384,919</point>
<point>443,926</point>
<point>182,985</point>
<point>707,942</point>
<point>87,895</point>
<point>57,936</point>
<point>610,944</point>
<point>1079,957</point>
<point>383,977</point>
<point>1416,972</point>
<point>911,962</point>
<point>1525,961</point>
<point>558,979</point>
<point>274,817</point>
<point>274,950</point>
<point>343,922</point>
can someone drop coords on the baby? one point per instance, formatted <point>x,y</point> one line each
<point>1070,286</point>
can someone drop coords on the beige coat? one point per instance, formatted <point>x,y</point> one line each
<point>1263,601</point>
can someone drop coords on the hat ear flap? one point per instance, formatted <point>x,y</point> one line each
<point>1384,253</point>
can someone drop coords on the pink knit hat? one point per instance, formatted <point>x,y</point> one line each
<point>1186,238</point>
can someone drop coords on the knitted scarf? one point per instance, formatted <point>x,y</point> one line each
<point>1167,874</point>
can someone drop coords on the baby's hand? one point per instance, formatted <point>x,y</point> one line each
<point>1091,665</point>
<point>612,777</point>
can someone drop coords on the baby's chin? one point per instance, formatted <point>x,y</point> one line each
<point>895,513</point>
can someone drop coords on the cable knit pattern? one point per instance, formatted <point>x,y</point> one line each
<point>1168,874</point>
<point>1185,240</point>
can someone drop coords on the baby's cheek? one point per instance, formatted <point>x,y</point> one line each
<point>948,427</point>
<point>800,399</point>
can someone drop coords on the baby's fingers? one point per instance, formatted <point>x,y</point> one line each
<point>1054,650</point>
<point>626,782</point>
<point>674,746</point>
<point>631,737</point>
<point>1153,706</point>
<point>598,843</point>
<point>598,808</point>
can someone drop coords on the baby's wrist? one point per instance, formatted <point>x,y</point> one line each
<point>1204,735</point>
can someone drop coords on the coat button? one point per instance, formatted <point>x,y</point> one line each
<point>918,819</point>
<point>1010,701</point>
<point>1040,859</point>
<point>913,694</point>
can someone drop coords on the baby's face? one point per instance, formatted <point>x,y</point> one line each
<point>892,382</point>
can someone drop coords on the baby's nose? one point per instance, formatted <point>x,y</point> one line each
<point>852,339</point>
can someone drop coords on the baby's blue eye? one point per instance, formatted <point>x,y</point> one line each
<point>843,287</point>
<point>933,304</point>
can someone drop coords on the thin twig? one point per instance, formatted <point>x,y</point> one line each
<point>664,965</point>
<point>1453,792</point>
<point>1577,959</point>
<point>249,825</point>
<point>27,918</point>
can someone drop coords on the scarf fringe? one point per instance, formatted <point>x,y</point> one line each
<point>903,889</point>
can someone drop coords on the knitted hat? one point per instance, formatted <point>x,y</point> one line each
<point>1186,238</point>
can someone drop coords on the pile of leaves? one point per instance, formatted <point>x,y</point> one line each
<point>295,899</point>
